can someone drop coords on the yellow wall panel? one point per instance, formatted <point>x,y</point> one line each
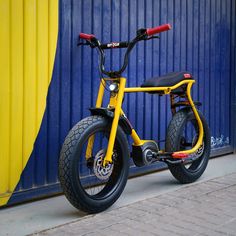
<point>28,38</point>
<point>5,95</point>
<point>42,53</point>
<point>29,110</point>
<point>52,31</point>
<point>16,64</point>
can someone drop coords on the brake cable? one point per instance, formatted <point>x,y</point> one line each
<point>101,74</point>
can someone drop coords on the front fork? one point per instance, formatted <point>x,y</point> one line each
<point>89,148</point>
<point>116,103</point>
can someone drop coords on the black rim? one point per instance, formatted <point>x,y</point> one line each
<point>188,139</point>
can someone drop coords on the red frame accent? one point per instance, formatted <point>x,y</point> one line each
<point>187,76</point>
<point>86,36</point>
<point>179,155</point>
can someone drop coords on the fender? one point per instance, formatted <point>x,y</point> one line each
<point>109,113</point>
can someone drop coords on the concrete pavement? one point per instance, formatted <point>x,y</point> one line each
<point>206,208</point>
<point>52,212</point>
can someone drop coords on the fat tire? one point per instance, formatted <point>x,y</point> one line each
<point>68,158</point>
<point>174,131</point>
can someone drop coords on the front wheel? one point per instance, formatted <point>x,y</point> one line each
<point>182,134</point>
<point>87,184</point>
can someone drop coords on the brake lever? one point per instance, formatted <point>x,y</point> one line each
<point>88,43</point>
<point>153,37</point>
<point>80,44</point>
<point>145,37</point>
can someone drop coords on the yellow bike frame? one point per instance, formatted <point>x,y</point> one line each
<point>116,104</point>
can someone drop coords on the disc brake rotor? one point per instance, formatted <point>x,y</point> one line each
<point>102,172</point>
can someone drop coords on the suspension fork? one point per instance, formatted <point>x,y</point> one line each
<point>89,149</point>
<point>117,103</point>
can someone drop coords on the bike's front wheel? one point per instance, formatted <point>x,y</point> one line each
<point>87,184</point>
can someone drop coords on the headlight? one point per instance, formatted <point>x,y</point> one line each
<point>113,87</point>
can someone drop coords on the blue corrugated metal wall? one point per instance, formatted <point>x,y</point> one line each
<point>202,41</point>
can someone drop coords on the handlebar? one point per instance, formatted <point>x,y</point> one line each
<point>86,36</point>
<point>158,29</point>
<point>112,45</point>
<point>142,34</point>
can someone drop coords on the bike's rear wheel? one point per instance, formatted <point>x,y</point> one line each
<point>182,134</point>
<point>88,185</point>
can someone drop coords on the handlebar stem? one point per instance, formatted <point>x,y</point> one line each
<point>117,74</point>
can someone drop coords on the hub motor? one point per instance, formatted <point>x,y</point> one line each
<point>143,154</point>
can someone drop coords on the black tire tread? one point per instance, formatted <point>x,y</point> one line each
<point>172,134</point>
<point>65,161</point>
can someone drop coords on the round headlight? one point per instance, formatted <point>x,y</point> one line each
<point>113,87</point>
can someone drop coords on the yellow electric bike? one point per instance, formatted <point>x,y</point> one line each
<point>94,160</point>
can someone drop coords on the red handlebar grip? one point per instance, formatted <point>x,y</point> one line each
<point>158,29</point>
<point>86,36</point>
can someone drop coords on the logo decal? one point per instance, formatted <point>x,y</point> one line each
<point>113,45</point>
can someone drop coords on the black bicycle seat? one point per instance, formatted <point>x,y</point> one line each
<point>167,80</point>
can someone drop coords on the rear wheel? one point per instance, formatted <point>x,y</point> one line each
<point>87,184</point>
<point>182,134</point>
